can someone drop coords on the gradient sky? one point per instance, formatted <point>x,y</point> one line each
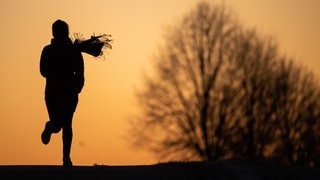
<point>100,121</point>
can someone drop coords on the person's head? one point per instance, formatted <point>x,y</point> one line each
<point>60,29</point>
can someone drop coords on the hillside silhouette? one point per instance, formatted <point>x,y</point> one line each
<point>228,169</point>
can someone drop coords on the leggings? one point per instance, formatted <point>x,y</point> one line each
<point>61,110</point>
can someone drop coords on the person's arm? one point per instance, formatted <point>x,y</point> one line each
<point>79,73</point>
<point>44,62</point>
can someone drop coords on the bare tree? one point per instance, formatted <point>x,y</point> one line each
<point>278,101</point>
<point>255,59</point>
<point>220,91</point>
<point>297,115</point>
<point>178,101</point>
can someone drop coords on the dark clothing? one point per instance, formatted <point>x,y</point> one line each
<point>61,110</point>
<point>62,66</point>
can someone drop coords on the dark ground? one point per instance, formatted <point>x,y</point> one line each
<point>230,169</point>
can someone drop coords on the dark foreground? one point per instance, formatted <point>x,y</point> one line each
<point>231,169</point>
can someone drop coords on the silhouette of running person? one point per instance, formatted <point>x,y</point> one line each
<point>62,66</point>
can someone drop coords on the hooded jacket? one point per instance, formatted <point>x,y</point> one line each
<point>62,66</point>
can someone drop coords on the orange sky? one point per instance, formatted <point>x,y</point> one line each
<point>107,98</point>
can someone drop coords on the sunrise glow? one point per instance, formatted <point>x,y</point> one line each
<point>107,99</point>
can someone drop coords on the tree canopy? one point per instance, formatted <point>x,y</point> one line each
<point>221,90</point>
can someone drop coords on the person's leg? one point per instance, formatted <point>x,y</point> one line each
<point>46,133</point>
<point>54,124</point>
<point>55,110</point>
<point>67,136</point>
<point>67,133</point>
